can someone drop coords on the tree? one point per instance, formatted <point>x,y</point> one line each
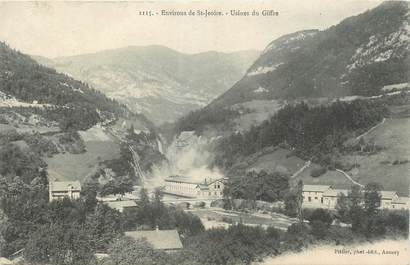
<point>343,207</point>
<point>3,222</point>
<point>23,205</point>
<point>299,201</point>
<point>89,195</point>
<point>104,224</point>
<point>144,198</point>
<point>356,212</point>
<point>291,207</point>
<point>59,245</point>
<point>127,251</point>
<point>372,198</point>
<point>254,186</point>
<point>117,186</point>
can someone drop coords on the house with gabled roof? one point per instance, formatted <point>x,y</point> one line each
<point>386,198</point>
<point>313,194</point>
<point>64,189</point>
<point>400,203</point>
<point>186,187</point>
<point>330,197</point>
<point>325,196</point>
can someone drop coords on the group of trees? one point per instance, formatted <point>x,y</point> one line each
<point>127,251</point>
<point>262,186</point>
<point>314,132</point>
<point>361,208</point>
<point>151,213</point>
<point>201,120</point>
<point>60,232</point>
<point>239,244</point>
<point>15,162</point>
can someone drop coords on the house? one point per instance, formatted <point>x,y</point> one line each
<point>330,197</point>
<point>401,203</point>
<point>211,189</point>
<point>386,198</point>
<point>313,194</point>
<point>64,189</point>
<point>166,240</point>
<point>128,196</point>
<point>325,196</point>
<point>186,187</point>
<point>121,205</point>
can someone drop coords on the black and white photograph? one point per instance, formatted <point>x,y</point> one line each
<point>205,132</point>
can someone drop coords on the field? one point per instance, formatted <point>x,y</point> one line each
<point>279,161</point>
<point>331,177</point>
<point>68,166</point>
<point>217,217</point>
<point>270,159</point>
<point>390,167</point>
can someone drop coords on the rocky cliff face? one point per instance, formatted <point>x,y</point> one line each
<point>358,56</point>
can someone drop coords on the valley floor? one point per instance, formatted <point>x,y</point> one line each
<point>217,217</point>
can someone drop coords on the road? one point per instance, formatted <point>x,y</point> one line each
<point>307,164</point>
<point>349,178</point>
<point>371,129</point>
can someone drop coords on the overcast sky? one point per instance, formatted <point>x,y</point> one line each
<point>55,29</point>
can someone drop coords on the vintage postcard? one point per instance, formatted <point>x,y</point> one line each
<point>266,132</point>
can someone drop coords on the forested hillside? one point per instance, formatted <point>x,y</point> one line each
<point>312,132</point>
<point>57,97</point>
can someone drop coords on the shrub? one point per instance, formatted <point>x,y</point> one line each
<point>343,235</point>
<point>228,220</point>
<point>200,204</point>
<point>319,229</point>
<point>317,172</point>
<point>321,215</point>
<point>398,221</point>
<point>297,237</point>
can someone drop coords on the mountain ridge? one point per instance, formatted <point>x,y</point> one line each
<point>151,78</point>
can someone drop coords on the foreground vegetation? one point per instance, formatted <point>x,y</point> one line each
<point>70,232</point>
